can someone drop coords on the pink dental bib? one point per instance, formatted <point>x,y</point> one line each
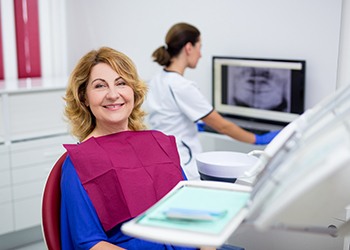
<point>126,173</point>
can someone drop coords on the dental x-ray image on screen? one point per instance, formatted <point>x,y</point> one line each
<point>260,88</point>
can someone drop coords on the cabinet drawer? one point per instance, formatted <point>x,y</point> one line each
<point>36,113</point>
<point>27,213</point>
<point>38,151</point>
<point>36,156</point>
<point>31,173</point>
<point>2,121</point>
<point>28,190</point>
<point>4,158</point>
<point>5,196</point>
<point>6,212</point>
<point>5,178</point>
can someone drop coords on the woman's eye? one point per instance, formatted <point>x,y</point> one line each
<point>121,83</point>
<point>99,85</point>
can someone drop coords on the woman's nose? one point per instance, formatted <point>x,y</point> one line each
<point>113,93</point>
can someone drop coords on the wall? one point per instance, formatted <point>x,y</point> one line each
<point>296,29</point>
<point>343,76</point>
<point>52,28</point>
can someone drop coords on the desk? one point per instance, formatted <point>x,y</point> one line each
<point>219,142</point>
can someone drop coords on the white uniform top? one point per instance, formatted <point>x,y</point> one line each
<point>174,104</point>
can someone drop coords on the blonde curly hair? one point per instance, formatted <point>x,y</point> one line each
<point>79,116</point>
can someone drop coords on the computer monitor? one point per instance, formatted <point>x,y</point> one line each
<point>259,89</point>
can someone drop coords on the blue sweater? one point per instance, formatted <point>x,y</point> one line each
<point>80,225</point>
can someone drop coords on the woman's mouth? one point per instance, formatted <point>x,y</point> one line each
<point>113,106</point>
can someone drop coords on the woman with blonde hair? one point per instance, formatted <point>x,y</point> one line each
<point>118,169</point>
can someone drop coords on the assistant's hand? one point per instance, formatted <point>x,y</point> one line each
<point>265,138</point>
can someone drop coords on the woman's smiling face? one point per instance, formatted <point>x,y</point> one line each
<point>110,98</point>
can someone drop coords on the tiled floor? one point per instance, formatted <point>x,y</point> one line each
<point>40,245</point>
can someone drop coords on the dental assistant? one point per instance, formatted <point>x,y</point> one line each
<point>174,104</point>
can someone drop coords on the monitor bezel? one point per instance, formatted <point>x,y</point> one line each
<point>274,117</point>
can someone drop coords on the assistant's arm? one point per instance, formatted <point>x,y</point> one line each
<point>223,126</point>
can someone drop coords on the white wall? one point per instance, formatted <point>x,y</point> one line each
<point>53,42</point>
<point>283,29</point>
<point>9,39</point>
<point>52,33</point>
<point>343,76</point>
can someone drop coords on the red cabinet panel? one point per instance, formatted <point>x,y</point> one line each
<point>27,38</point>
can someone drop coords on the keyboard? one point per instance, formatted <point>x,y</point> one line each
<point>206,128</point>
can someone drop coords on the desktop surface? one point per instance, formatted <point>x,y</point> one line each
<point>256,127</point>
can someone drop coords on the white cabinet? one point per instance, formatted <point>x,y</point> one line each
<point>31,163</point>
<point>36,114</point>
<point>2,120</point>
<point>32,131</point>
<point>6,205</point>
<point>7,223</point>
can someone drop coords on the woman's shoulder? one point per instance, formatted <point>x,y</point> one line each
<point>69,172</point>
<point>177,81</point>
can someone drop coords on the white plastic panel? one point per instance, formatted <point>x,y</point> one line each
<point>311,187</point>
<point>305,184</point>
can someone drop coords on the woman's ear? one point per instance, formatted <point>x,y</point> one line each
<point>188,48</point>
<point>86,103</point>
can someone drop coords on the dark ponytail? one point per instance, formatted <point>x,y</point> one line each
<point>177,37</point>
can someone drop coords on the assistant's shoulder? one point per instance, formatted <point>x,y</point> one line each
<point>152,132</point>
<point>159,135</point>
<point>179,84</point>
<point>164,138</point>
<point>157,77</point>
